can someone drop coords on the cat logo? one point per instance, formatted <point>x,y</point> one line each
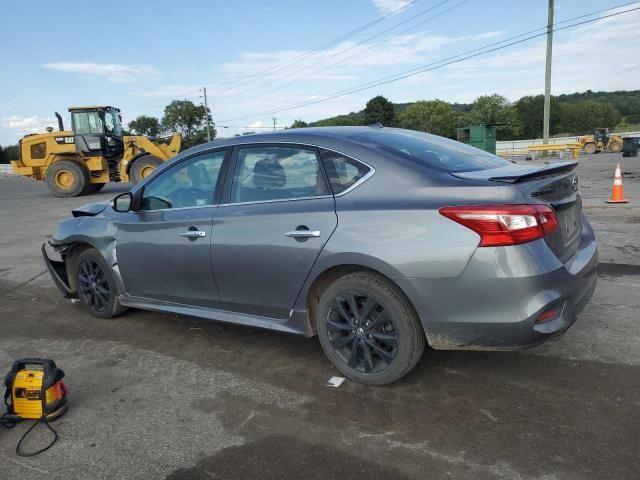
<point>63,140</point>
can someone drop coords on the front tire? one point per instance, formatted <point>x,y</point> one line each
<point>66,178</point>
<point>590,148</point>
<point>615,147</point>
<point>143,167</point>
<point>368,330</point>
<point>95,285</point>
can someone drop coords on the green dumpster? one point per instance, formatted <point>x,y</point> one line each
<point>480,136</point>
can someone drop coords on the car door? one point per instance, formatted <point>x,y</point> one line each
<point>278,216</point>
<point>164,246</point>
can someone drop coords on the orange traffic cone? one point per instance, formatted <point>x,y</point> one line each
<point>617,195</point>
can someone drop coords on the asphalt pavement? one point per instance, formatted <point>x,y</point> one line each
<point>163,396</point>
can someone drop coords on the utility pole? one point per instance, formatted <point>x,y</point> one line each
<point>206,108</point>
<point>275,120</point>
<point>547,75</point>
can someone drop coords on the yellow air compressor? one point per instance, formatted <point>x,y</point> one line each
<point>34,391</point>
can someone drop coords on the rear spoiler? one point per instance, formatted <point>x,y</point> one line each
<point>518,173</point>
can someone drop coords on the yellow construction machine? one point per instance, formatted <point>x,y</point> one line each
<point>600,140</point>
<point>95,151</point>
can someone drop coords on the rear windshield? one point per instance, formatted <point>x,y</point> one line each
<point>431,151</point>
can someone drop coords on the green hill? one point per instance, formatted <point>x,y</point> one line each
<point>627,103</point>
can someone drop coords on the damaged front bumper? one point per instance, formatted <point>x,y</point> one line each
<point>58,269</point>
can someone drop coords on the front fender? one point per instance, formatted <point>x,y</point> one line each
<point>96,232</point>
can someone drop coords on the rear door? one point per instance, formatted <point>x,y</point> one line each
<point>277,218</point>
<point>164,247</point>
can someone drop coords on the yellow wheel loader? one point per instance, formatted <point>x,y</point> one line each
<point>95,151</point>
<point>600,140</point>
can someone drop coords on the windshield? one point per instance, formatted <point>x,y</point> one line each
<point>112,123</point>
<point>431,151</point>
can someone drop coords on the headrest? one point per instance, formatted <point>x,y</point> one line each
<point>268,173</point>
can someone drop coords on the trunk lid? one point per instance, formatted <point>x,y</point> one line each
<point>554,184</point>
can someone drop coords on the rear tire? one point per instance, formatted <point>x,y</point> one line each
<point>368,330</point>
<point>615,147</point>
<point>96,287</point>
<point>67,178</point>
<point>143,167</point>
<point>590,148</point>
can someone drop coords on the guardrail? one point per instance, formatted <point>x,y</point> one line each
<point>522,145</point>
<point>5,170</point>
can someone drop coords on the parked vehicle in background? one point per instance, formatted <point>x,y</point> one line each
<point>378,240</point>
<point>82,160</point>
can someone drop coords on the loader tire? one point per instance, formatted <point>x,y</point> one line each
<point>590,148</point>
<point>143,167</point>
<point>615,147</point>
<point>66,178</point>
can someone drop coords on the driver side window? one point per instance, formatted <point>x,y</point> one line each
<point>191,183</point>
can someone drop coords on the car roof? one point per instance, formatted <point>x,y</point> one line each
<point>303,135</point>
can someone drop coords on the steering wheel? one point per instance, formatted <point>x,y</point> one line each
<point>193,197</point>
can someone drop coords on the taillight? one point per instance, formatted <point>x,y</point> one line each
<point>504,224</point>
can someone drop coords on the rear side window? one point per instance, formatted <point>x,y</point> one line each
<point>431,151</point>
<point>277,173</point>
<point>343,171</point>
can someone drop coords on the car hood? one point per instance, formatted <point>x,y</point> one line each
<point>89,209</point>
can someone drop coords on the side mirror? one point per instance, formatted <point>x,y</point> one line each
<point>123,202</point>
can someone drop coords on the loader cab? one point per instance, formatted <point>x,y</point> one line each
<point>601,135</point>
<point>97,131</point>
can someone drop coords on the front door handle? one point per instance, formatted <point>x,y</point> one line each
<point>303,233</point>
<point>193,234</point>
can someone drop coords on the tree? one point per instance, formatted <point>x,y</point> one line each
<point>435,116</point>
<point>8,153</point>
<point>144,125</point>
<point>339,121</point>
<point>530,111</point>
<point>582,117</point>
<point>379,110</point>
<point>189,119</point>
<point>496,110</point>
<point>299,124</point>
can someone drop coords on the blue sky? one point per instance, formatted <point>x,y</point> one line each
<point>248,53</point>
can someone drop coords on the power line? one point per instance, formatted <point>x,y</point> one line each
<point>342,60</point>
<point>490,44</point>
<point>431,66</point>
<point>324,46</point>
<point>368,39</point>
<point>415,26</point>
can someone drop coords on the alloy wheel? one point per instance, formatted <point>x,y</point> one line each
<point>93,285</point>
<point>362,332</point>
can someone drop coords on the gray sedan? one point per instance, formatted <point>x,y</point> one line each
<point>378,240</point>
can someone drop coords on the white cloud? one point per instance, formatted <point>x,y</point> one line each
<point>113,72</point>
<point>28,124</point>
<point>14,127</point>
<point>388,6</point>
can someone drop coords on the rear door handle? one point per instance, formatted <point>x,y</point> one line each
<point>193,234</point>
<point>303,233</point>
